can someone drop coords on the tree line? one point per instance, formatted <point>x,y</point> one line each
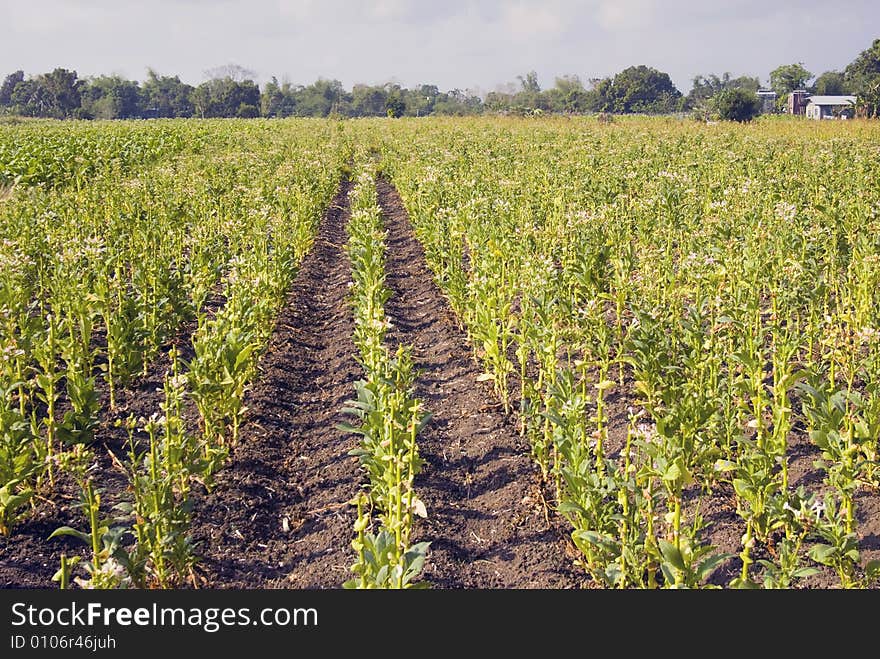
<point>61,94</point>
<point>232,92</point>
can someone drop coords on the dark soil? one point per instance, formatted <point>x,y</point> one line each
<point>486,521</point>
<point>27,558</point>
<point>726,528</point>
<point>278,515</point>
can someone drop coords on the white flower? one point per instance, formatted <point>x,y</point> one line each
<point>797,513</point>
<point>866,334</point>
<point>113,568</point>
<point>153,423</point>
<point>646,431</point>
<point>11,351</point>
<point>785,211</point>
<point>179,381</point>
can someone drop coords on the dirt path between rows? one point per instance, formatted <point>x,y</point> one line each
<point>481,488</point>
<point>278,516</point>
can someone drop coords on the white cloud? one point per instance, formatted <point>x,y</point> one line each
<point>299,10</point>
<point>456,43</point>
<point>529,19</point>
<point>626,14</point>
<point>389,9</point>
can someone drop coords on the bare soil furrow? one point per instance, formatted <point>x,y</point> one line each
<point>486,521</point>
<point>278,516</point>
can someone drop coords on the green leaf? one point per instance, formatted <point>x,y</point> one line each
<point>599,540</point>
<point>570,507</point>
<point>820,439</point>
<point>724,465</point>
<point>743,489</point>
<point>743,584</point>
<point>243,356</point>
<point>71,563</point>
<point>672,555</point>
<point>613,574</point>
<point>823,554</point>
<point>672,473</point>
<point>802,573</point>
<point>67,530</point>
<point>18,500</point>
<point>710,564</point>
<point>416,561</point>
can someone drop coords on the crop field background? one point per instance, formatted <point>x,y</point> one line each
<point>447,353</point>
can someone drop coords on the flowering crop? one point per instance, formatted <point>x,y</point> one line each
<point>720,281</point>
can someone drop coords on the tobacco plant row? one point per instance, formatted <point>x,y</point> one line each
<point>388,417</point>
<point>53,154</point>
<point>682,318</point>
<point>99,280</point>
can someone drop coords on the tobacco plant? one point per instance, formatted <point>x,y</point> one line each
<point>389,418</point>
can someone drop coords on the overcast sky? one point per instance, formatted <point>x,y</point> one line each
<point>476,44</point>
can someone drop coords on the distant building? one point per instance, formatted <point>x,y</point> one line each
<point>830,107</point>
<point>797,102</point>
<point>768,100</point>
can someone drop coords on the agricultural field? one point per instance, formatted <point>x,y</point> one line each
<point>445,353</point>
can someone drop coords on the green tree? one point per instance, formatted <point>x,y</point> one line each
<point>458,102</point>
<point>321,98</point>
<point>789,77</point>
<point>225,97</point>
<point>9,84</point>
<point>500,100</point>
<point>56,94</point>
<point>830,83</point>
<point>112,97</point>
<point>31,99</point>
<point>529,83</point>
<point>165,96</point>
<point>863,78</point>
<point>203,100</point>
<point>738,104</point>
<point>395,106</point>
<point>638,89</point>
<point>568,95</point>
<point>705,88</point>
<point>64,90</point>
<point>369,101</point>
<point>529,97</point>
<point>247,111</point>
<point>420,101</point>
<point>277,100</point>
<point>271,99</point>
